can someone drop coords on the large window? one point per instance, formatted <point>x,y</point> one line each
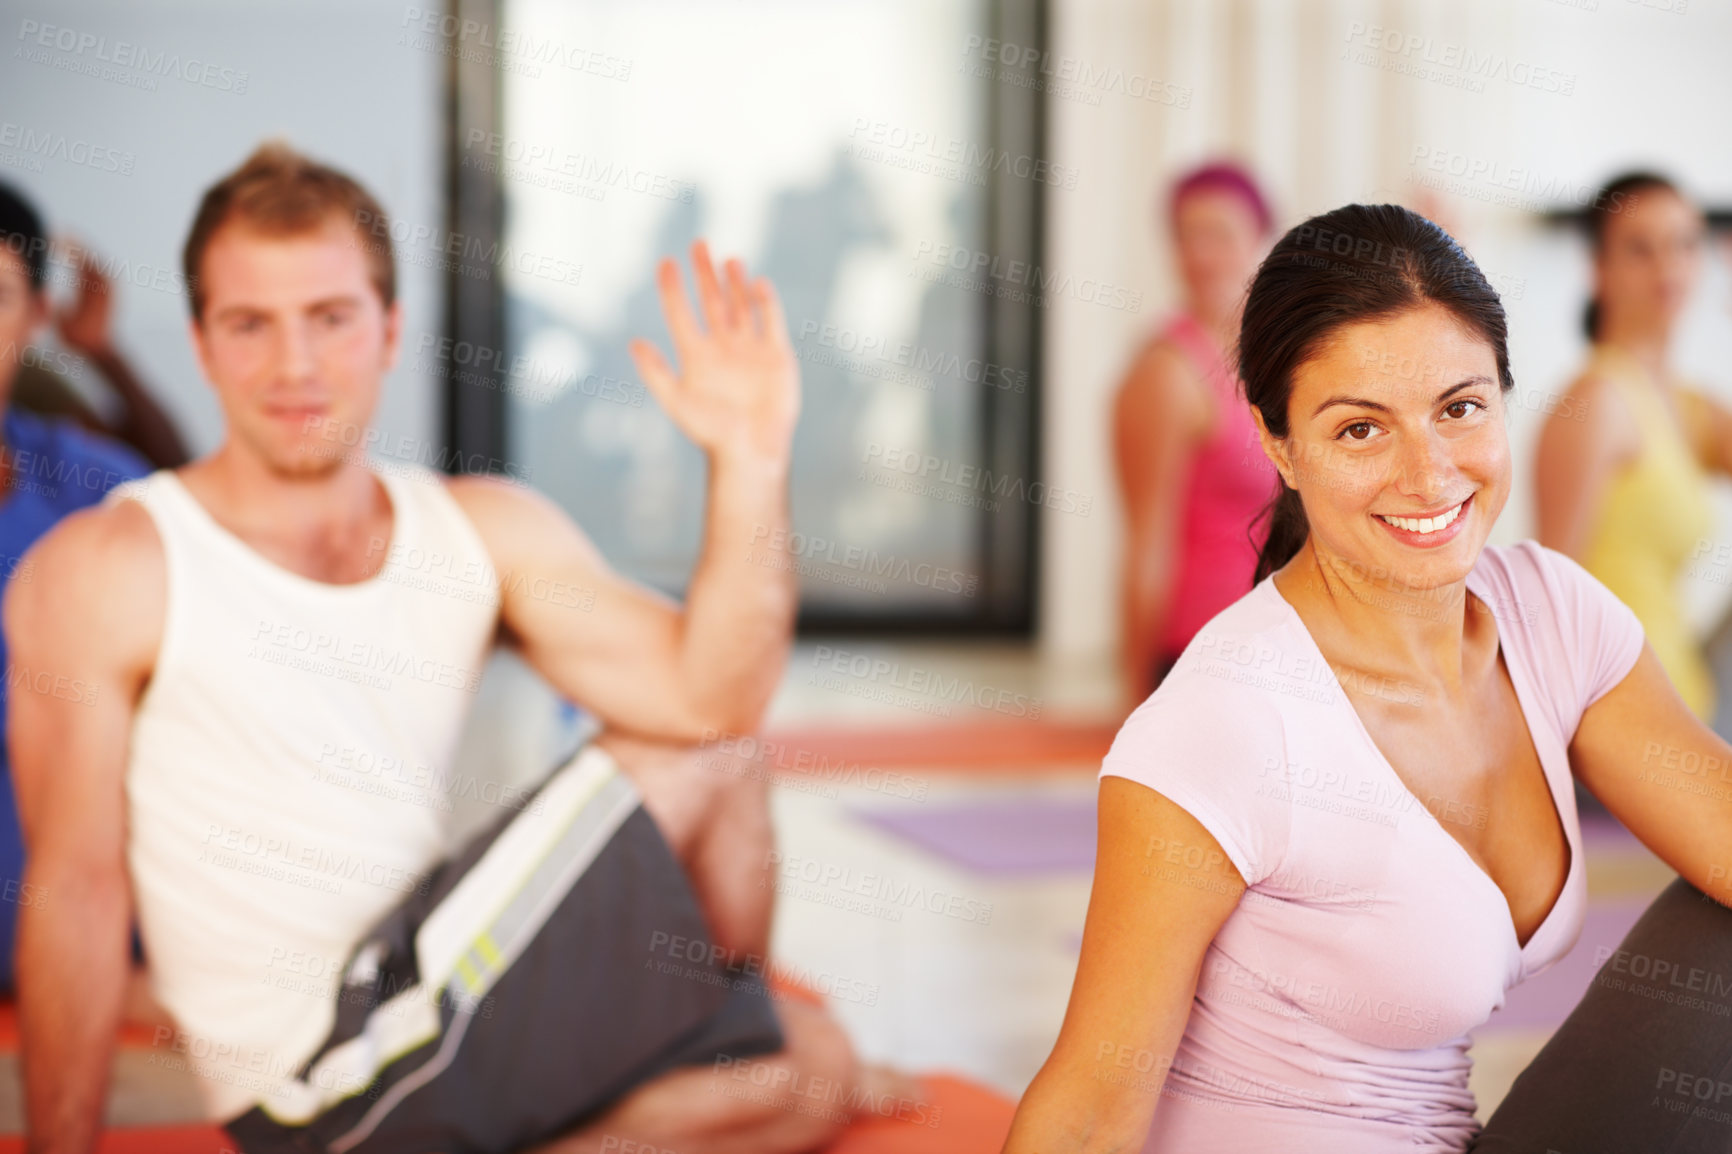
<point>878,163</point>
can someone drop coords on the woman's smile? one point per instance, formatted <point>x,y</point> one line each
<point>1427,531</point>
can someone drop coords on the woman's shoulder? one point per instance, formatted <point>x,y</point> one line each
<point>1215,736</point>
<point>1245,666</point>
<point>1525,581</point>
<point>1163,379</point>
<point>1530,568</point>
<point>1582,637</point>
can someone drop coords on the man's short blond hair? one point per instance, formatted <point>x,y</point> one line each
<point>280,192</point>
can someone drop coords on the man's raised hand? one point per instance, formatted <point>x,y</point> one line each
<point>736,390</point>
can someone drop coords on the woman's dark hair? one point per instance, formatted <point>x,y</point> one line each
<point>1619,195</point>
<point>1362,262</point>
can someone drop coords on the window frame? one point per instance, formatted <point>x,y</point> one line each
<point>474,405</point>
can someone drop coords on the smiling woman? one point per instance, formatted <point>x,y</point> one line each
<point>1383,267</point>
<point>1344,826</point>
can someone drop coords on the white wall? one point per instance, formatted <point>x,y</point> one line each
<point>329,76</point>
<point>1269,83</point>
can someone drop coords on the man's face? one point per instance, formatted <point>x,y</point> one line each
<point>296,341</point>
<point>23,310</point>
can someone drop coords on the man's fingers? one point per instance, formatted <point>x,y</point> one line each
<point>681,323</point>
<point>740,299</point>
<point>770,308</point>
<point>718,316</point>
<point>657,374</point>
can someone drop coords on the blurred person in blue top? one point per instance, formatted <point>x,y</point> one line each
<point>50,466</point>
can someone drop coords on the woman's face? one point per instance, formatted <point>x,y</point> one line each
<point>1398,418</point>
<point>1650,258</point>
<point>1219,244</point>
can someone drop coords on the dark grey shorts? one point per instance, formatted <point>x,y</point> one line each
<point>556,963</point>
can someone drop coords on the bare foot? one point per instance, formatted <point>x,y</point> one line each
<point>140,1008</point>
<point>890,1093</point>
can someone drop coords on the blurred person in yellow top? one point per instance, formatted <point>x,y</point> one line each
<point>1624,466</point>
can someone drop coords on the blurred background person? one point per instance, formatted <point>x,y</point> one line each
<point>50,467</point>
<point>1623,468</point>
<point>1189,470</point>
<point>85,326</point>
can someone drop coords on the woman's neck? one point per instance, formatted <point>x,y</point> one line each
<point>1383,627</point>
<point>1648,344</point>
<point>1222,325</point>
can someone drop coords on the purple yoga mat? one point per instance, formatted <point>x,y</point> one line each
<point>1545,1000</point>
<point>1025,836</point>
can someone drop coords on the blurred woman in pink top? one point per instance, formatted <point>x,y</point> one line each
<point>1345,826</point>
<point>1190,471</point>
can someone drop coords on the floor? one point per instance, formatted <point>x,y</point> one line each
<point>933,964</point>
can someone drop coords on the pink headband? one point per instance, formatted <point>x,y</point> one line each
<point>1223,177</point>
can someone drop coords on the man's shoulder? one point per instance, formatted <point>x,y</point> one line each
<point>111,543</point>
<point>96,584</point>
<point>498,505</point>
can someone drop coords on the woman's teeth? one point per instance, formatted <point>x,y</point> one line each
<point>1424,524</point>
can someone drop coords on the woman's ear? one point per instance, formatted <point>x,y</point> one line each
<point>1275,449</point>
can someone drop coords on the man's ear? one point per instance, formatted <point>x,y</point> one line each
<point>393,333</point>
<point>1275,449</point>
<point>195,333</point>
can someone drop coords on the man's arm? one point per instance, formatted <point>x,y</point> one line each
<point>638,661</point>
<point>83,631</point>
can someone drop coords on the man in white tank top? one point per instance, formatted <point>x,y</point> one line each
<point>252,643</point>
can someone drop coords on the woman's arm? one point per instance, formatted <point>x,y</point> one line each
<point>1663,773</point>
<point>1582,443</point>
<point>1161,412</point>
<point>1150,922</point>
<point>1708,428</point>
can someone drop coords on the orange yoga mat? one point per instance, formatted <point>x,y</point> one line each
<point>150,1140</point>
<point>960,1117</point>
<point>952,1116</point>
<point>1001,747</point>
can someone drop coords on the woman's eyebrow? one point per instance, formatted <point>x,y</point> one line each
<point>1476,381</point>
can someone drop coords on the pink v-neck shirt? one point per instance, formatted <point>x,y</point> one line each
<point>1333,1007</point>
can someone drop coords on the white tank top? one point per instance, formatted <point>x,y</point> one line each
<point>289,768</point>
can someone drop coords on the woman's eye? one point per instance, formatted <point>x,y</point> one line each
<point>1351,435</point>
<point>1454,405</point>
